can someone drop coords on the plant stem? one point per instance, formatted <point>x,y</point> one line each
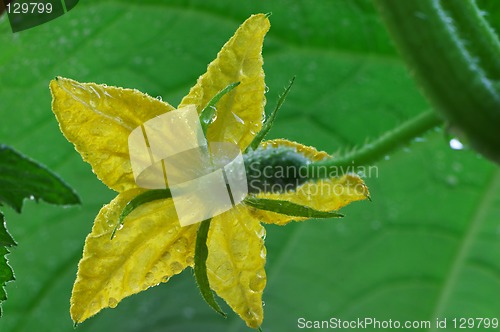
<point>454,55</point>
<point>379,148</point>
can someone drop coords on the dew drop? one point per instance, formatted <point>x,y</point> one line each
<point>225,272</point>
<point>188,312</point>
<point>159,98</point>
<point>387,157</point>
<point>149,278</point>
<point>257,283</point>
<point>451,180</point>
<point>261,232</point>
<point>263,252</point>
<point>240,120</point>
<point>455,144</point>
<point>180,245</point>
<point>176,267</point>
<point>112,302</point>
<point>266,89</point>
<point>457,167</point>
<point>214,115</point>
<point>166,256</point>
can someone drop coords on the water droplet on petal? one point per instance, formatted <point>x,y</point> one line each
<point>225,272</point>
<point>180,245</point>
<point>149,278</point>
<point>263,252</point>
<point>166,255</point>
<point>176,267</point>
<point>261,232</point>
<point>240,120</point>
<point>112,302</point>
<point>159,98</point>
<point>257,283</point>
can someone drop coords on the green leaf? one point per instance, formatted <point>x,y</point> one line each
<point>200,267</point>
<point>289,208</point>
<point>21,178</point>
<point>6,239</point>
<point>427,246</point>
<point>6,273</point>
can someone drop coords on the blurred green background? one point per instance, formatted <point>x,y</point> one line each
<point>427,246</point>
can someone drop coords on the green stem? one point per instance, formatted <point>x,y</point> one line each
<point>454,55</point>
<point>379,148</point>
<point>477,34</point>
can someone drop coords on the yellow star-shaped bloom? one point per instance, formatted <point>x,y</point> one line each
<point>151,247</point>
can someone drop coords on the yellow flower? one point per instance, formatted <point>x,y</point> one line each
<point>151,247</point>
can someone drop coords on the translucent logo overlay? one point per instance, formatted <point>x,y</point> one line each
<point>205,179</point>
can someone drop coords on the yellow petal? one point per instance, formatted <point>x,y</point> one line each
<point>98,119</point>
<point>239,114</point>
<point>307,151</point>
<point>324,195</point>
<point>235,264</point>
<point>150,248</point>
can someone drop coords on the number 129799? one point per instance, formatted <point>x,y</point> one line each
<point>475,323</point>
<point>31,8</point>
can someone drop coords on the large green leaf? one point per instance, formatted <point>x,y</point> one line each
<point>6,273</point>
<point>22,178</point>
<point>427,246</point>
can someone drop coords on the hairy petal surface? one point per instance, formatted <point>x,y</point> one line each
<point>323,195</point>
<point>149,249</point>
<point>98,119</point>
<point>307,151</point>
<point>235,264</point>
<point>240,112</point>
